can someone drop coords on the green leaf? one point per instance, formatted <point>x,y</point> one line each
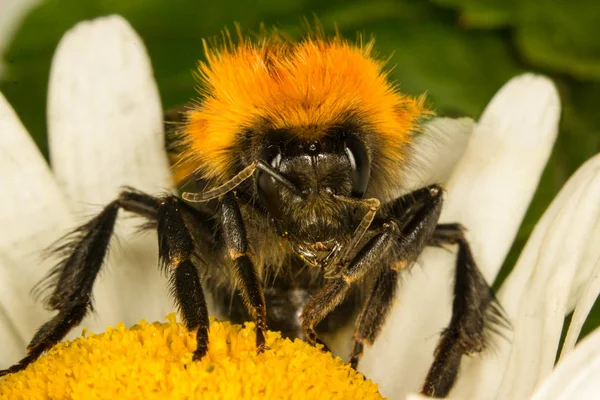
<point>487,14</point>
<point>459,71</point>
<point>561,36</point>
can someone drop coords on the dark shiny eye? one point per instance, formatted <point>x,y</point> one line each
<point>361,168</point>
<point>268,189</point>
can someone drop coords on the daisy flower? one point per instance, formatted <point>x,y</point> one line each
<point>105,131</point>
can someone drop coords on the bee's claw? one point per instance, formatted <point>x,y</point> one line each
<point>261,343</point>
<point>262,349</point>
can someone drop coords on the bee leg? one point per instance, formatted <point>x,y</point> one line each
<point>72,280</point>
<point>373,315</point>
<point>417,214</point>
<point>336,288</point>
<point>409,231</point>
<point>320,305</point>
<point>176,251</point>
<point>446,234</point>
<point>236,241</point>
<point>474,309</point>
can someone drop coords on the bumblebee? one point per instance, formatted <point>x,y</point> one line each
<point>300,219</point>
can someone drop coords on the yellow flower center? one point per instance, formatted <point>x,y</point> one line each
<point>154,361</point>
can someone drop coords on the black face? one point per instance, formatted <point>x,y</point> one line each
<point>321,171</point>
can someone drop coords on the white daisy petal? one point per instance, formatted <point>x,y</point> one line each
<point>437,150</point>
<point>488,193</point>
<point>588,268</point>
<point>585,289</point>
<point>575,377</point>
<point>415,396</point>
<point>537,293</point>
<point>583,308</point>
<point>105,131</point>
<point>105,117</point>
<point>32,210</point>
<point>13,342</point>
<point>492,186</point>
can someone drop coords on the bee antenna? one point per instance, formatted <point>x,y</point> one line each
<point>221,190</point>
<point>237,180</point>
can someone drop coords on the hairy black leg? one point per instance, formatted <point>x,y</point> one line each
<point>176,251</point>
<point>446,234</point>
<point>409,233</point>
<point>83,252</point>
<point>236,241</point>
<point>373,315</point>
<point>417,213</point>
<point>475,312</point>
<point>73,277</point>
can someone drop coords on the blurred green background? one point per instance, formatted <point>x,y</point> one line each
<point>458,51</point>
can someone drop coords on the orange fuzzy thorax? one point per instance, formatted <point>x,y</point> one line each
<point>307,86</point>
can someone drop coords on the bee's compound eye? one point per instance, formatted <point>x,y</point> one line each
<point>268,189</point>
<point>272,156</point>
<point>361,168</point>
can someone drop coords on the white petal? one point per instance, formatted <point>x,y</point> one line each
<point>105,129</point>
<point>588,297</point>
<point>575,377</point>
<point>437,150</point>
<point>537,292</point>
<point>502,166</point>
<point>415,396</point>
<point>584,291</point>
<point>488,193</point>
<point>32,209</point>
<point>105,116</point>
<point>14,342</point>
<point>581,281</point>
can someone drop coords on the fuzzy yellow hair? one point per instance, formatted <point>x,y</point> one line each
<point>308,86</point>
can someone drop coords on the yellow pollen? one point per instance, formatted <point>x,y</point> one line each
<point>154,361</point>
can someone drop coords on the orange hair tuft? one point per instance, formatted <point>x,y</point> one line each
<point>307,85</point>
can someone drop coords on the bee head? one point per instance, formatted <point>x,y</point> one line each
<point>312,175</point>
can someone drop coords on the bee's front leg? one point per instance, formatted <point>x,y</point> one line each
<point>337,286</point>
<point>416,214</point>
<point>414,224</point>
<point>236,241</point>
<point>176,253</point>
<point>474,308</point>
